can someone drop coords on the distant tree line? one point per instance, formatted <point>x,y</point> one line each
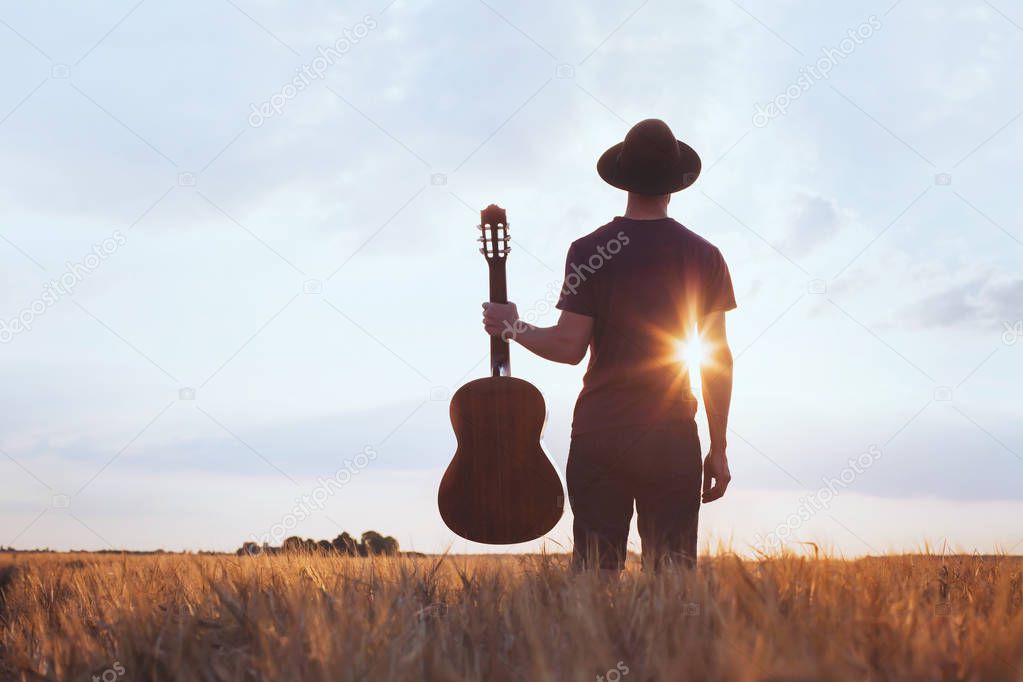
<point>371,543</point>
<point>47,550</point>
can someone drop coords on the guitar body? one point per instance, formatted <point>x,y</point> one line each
<point>501,488</point>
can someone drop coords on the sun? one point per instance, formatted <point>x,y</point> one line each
<point>692,353</point>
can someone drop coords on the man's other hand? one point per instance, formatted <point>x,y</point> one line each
<point>500,318</point>
<point>715,476</point>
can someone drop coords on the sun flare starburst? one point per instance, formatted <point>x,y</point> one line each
<point>692,354</point>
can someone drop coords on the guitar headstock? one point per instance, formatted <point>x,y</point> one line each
<point>494,234</point>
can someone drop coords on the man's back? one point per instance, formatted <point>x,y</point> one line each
<point>645,283</point>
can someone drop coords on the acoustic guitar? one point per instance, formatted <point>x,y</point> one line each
<point>501,487</point>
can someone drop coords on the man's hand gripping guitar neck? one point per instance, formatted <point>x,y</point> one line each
<point>565,342</point>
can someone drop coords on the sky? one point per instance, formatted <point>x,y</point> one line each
<point>240,282</point>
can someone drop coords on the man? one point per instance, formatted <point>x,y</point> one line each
<point>634,291</point>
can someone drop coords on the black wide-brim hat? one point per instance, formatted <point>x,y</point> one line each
<point>650,161</point>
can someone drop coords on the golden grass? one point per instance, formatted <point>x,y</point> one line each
<point>184,617</point>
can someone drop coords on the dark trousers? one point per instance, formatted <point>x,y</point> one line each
<point>657,468</point>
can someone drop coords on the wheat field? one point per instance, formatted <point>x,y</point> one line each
<point>511,617</point>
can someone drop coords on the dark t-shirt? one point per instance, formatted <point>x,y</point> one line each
<point>645,283</point>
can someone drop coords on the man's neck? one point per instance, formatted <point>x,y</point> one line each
<point>644,215</point>
<point>644,208</point>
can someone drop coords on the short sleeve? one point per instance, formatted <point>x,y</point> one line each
<point>717,285</point>
<point>577,289</point>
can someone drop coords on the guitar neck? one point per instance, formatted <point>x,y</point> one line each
<point>494,228</point>
<point>500,355</point>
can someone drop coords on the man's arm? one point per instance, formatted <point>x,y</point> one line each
<point>565,342</point>
<point>716,374</point>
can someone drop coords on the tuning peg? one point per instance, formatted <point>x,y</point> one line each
<point>482,239</point>
<point>481,228</point>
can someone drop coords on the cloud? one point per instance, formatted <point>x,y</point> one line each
<point>815,221</point>
<point>978,302</point>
